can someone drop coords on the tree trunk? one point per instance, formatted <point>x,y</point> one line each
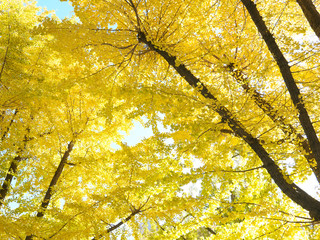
<point>312,15</point>
<point>295,193</point>
<point>54,180</point>
<point>277,118</point>
<point>294,91</point>
<point>7,182</point>
<point>13,165</point>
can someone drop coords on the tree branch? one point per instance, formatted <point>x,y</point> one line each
<point>57,174</point>
<point>312,15</point>
<point>134,211</point>
<point>54,180</point>
<point>283,65</point>
<point>12,171</point>
<point>8,127</point>
<point>5,60</point>
<point>243,171</point>
<point>290,189</point>
<point>276,117</point>
<point>119,224</point>
<point>7,182</point>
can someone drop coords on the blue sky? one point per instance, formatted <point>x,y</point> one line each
<point>62,9</point>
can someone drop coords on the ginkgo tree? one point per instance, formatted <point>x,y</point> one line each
<point>60,177</point>
<point>229,89</point>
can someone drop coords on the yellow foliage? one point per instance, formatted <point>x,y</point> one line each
<point>194,72</point>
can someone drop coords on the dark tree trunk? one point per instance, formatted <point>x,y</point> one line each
<point>294,91</point>
<point>12,171</point>
<point>290,189</point>
<point>277,118</point>
<point>54,180</point>
<point>7,182</point>
<point>312,15</point>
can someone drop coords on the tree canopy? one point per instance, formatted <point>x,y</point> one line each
<point>229,88</point>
